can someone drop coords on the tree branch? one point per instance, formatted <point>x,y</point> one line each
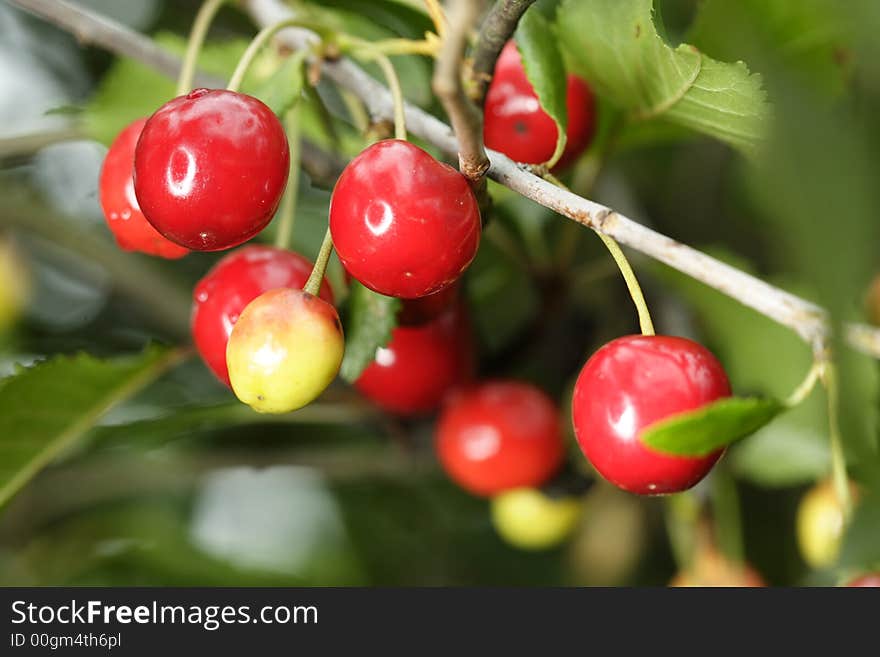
<point>496,30</point>
<point>93,29</point>
<point>467,121</point>
<point>808,320</point>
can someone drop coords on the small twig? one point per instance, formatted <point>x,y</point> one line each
<point>497,28</point>
<point>467,121</point>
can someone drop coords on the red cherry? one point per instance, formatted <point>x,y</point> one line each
<point>635,381</point>
<point>516,125</point>
<point>414,312</point>
<point>871,581</point>
<point>116,189</point>
<point>500,435</point>
<point>235,281</point>
<point>210,168</point>
<point>403,224</point>
<point>415,371</point>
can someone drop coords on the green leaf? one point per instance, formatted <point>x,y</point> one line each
<point>699,432</point>
<point>615,45</point>
<point>810,36</point>
<point>761,357</point>
<point>283,89</point>
<point>45,409</point>
<point>371,318</point>
<point>545,70</point>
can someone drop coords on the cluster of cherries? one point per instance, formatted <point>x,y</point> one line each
<point>206,172</point>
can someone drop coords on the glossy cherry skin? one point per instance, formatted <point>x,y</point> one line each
<point>868,581</point>
<point>210,168</point>
<point>516,125</point>
<point>631,383</point>
<point>121,210</point>
<point>236,280</point>
<point>403,224</point>
<point>284,350</point>
<point>421,365</point>
<point>498,436</point>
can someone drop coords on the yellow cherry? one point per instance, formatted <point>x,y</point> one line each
<point>284,350</point>
<point>530,520</point>
<point>820,524</point>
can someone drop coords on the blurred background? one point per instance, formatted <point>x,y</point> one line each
<point>183,485</point>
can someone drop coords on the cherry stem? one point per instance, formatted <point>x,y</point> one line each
<point>197,35</point>
<point>369,50</point>
<point>437,17</point>
<point>838,459</point>
<point>313,285</point>
<point>263,36</point>
<point>626,270</point>
<point>428,46</point>
<point>396,92</point>
<point>806,386</point>
<point>288,204</point>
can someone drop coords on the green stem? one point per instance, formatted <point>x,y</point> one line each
<point>288,204</point>
<point>728,514</point>
<point>396,93</point>
<point>838,459</point>
<point>806,386</point>
<point>313,285</point>
<point>263,37</point>
<point>629,276</point>
<point>632,283</point>
<point>197,35</point>
<point>369,51</point>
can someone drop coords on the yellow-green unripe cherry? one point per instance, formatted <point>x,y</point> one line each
<point>820,525</point>
<point>284,350</point>
<point>528,519</point>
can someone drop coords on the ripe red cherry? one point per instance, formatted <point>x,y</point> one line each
<point>635,381</point>
<point>403,224</point>
<point>500,435</point>
<point>116,190</point>
<point>516,125</point>
<point>871,580</point>
<point>210,168</point>
<point>421,365</point>
<point>235,281</point>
